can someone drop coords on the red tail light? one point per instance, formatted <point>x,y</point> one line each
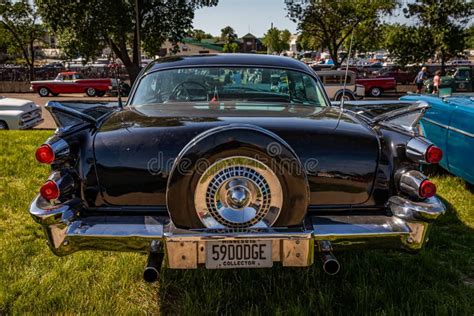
<point>427,189</point>
<point>50,190</point>
<point>45,154</point>
<point>433,154</point>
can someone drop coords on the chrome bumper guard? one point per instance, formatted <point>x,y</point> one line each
<point>405,228</point>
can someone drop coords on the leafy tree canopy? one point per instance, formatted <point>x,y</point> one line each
<point>446,20</point>
<point>230,48</point>
<point>470,37</point>
<point>19,29</point>
<point>199,35</point>
<point>330,22</point>
<point>228,35</point>
<point>86,27</point>
<point>277,41</point>
<point>408,44</point>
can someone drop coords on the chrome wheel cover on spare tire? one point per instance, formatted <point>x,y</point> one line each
<point>237,177</point>
<point>238,192</point>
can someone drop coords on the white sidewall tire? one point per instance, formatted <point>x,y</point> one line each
<point>43,92</point>
<point>91,92</point>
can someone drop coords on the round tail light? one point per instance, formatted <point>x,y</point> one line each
<point>45,154</point>
<point>50,191</point>
<point>427,189</point>
<point>434,154</point>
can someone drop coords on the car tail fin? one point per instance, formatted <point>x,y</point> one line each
<point>401,114</point>
<point>74,114</point>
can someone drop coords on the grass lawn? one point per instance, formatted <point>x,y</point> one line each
<point>439,280</point>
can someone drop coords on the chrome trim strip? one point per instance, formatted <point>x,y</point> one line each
<point>416,149</point>
<point>68,232</point>
<point>457,130</point>
<point>435,123</point>
<point>454,129</point>
<point>410,183</point>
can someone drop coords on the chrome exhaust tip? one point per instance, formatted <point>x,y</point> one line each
<point>330,264</point>
<point>151,273</point>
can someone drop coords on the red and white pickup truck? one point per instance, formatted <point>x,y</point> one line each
<point>71,82</point>
<point>374,87</point>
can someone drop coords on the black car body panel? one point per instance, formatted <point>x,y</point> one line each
<point>342,151</point>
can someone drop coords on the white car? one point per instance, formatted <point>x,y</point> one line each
<point>19,114</point>
<point>333,81</point>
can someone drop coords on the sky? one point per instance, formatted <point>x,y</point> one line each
<point>242,15</point>
<point>255,16</point>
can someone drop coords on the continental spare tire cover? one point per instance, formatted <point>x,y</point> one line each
<point>237,176</point>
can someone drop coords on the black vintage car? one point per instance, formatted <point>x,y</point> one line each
<point>235,161</point>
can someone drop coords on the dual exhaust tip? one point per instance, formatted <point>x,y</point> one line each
<point>330,264</point>
<point>151,273</point>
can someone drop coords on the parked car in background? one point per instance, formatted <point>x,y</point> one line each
<point>71,82</point>
<point>19,114</point>
<point>234,161</point>
<point>333,81</point>
<point>321,67</point>
<point>459,62</point>
<point>400,76</point>
<point>449,124</point>
<point>459,79</point>
<point>375,87</point>
<point>372,67</point>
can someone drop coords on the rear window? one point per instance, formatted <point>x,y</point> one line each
<point>228,84</point>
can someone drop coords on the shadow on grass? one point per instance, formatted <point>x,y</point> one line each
<point>370,282</point>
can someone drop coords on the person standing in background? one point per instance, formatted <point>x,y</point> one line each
<point>419,79</point>
<point>436,82</point>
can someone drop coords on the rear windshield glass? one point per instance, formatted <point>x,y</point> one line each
<point>232,84</point>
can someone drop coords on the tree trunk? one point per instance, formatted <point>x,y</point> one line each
<point>31,64</point>
<point>333,52</point>
<point>443,61</point>
<point>120,50</point>
<point>133,71</point>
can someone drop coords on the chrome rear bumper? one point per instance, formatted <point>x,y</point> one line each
<point>405,229</point>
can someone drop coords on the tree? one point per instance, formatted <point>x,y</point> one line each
<point>277,41</point>
<point>446,20</point>
<point>470,37</point>
<point>199,35</point>
<point>368,37</point>
<point>331,22</point>
<point>230,48</point>
<point>307,42</point>
<point>86,27</point>
<point>408,44</point>
<point>20,28</point>
<point>228,35</point>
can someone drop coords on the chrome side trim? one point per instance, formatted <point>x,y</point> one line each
<point>454,129</point>
<point>60,148</point>
<point>435,123</point>
<point>416,149</point>
<point>410,183</point>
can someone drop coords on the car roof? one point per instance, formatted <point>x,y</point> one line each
<point>228,60</point>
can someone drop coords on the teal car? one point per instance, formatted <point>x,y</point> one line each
<point>449,124</point>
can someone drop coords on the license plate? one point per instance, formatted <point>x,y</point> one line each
<point>232,254</point>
